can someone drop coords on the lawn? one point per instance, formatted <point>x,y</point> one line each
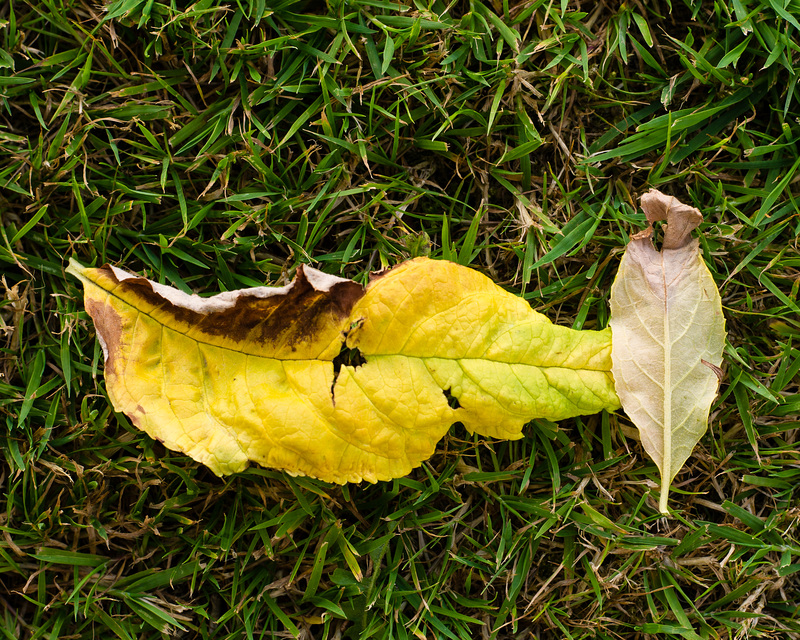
<point>217,146</point>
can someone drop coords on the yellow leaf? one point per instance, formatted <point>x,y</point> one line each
<point>669,333</point>
<point>326,379</point>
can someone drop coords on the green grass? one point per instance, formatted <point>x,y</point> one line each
<point>217,146</point>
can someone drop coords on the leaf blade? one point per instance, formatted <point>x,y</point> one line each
<point>260,374</point>
<point>667,322</point>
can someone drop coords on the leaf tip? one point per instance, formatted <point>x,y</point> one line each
<point>75,268</point>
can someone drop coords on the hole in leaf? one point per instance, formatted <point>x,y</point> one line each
<point>347,358</point>
<point>452,401</point>
<point>658,235</point>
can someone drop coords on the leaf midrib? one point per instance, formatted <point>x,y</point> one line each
<point>666,469</point>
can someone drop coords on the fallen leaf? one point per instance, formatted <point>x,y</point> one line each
<point>327,379</point>
<point>669,332</point>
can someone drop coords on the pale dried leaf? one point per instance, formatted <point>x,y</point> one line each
<point>667,325</point>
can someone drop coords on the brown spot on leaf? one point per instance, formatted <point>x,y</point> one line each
<point>108,325</point>
<point>290,318</point>
<point>137,416</point>
<point>344,296</point>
